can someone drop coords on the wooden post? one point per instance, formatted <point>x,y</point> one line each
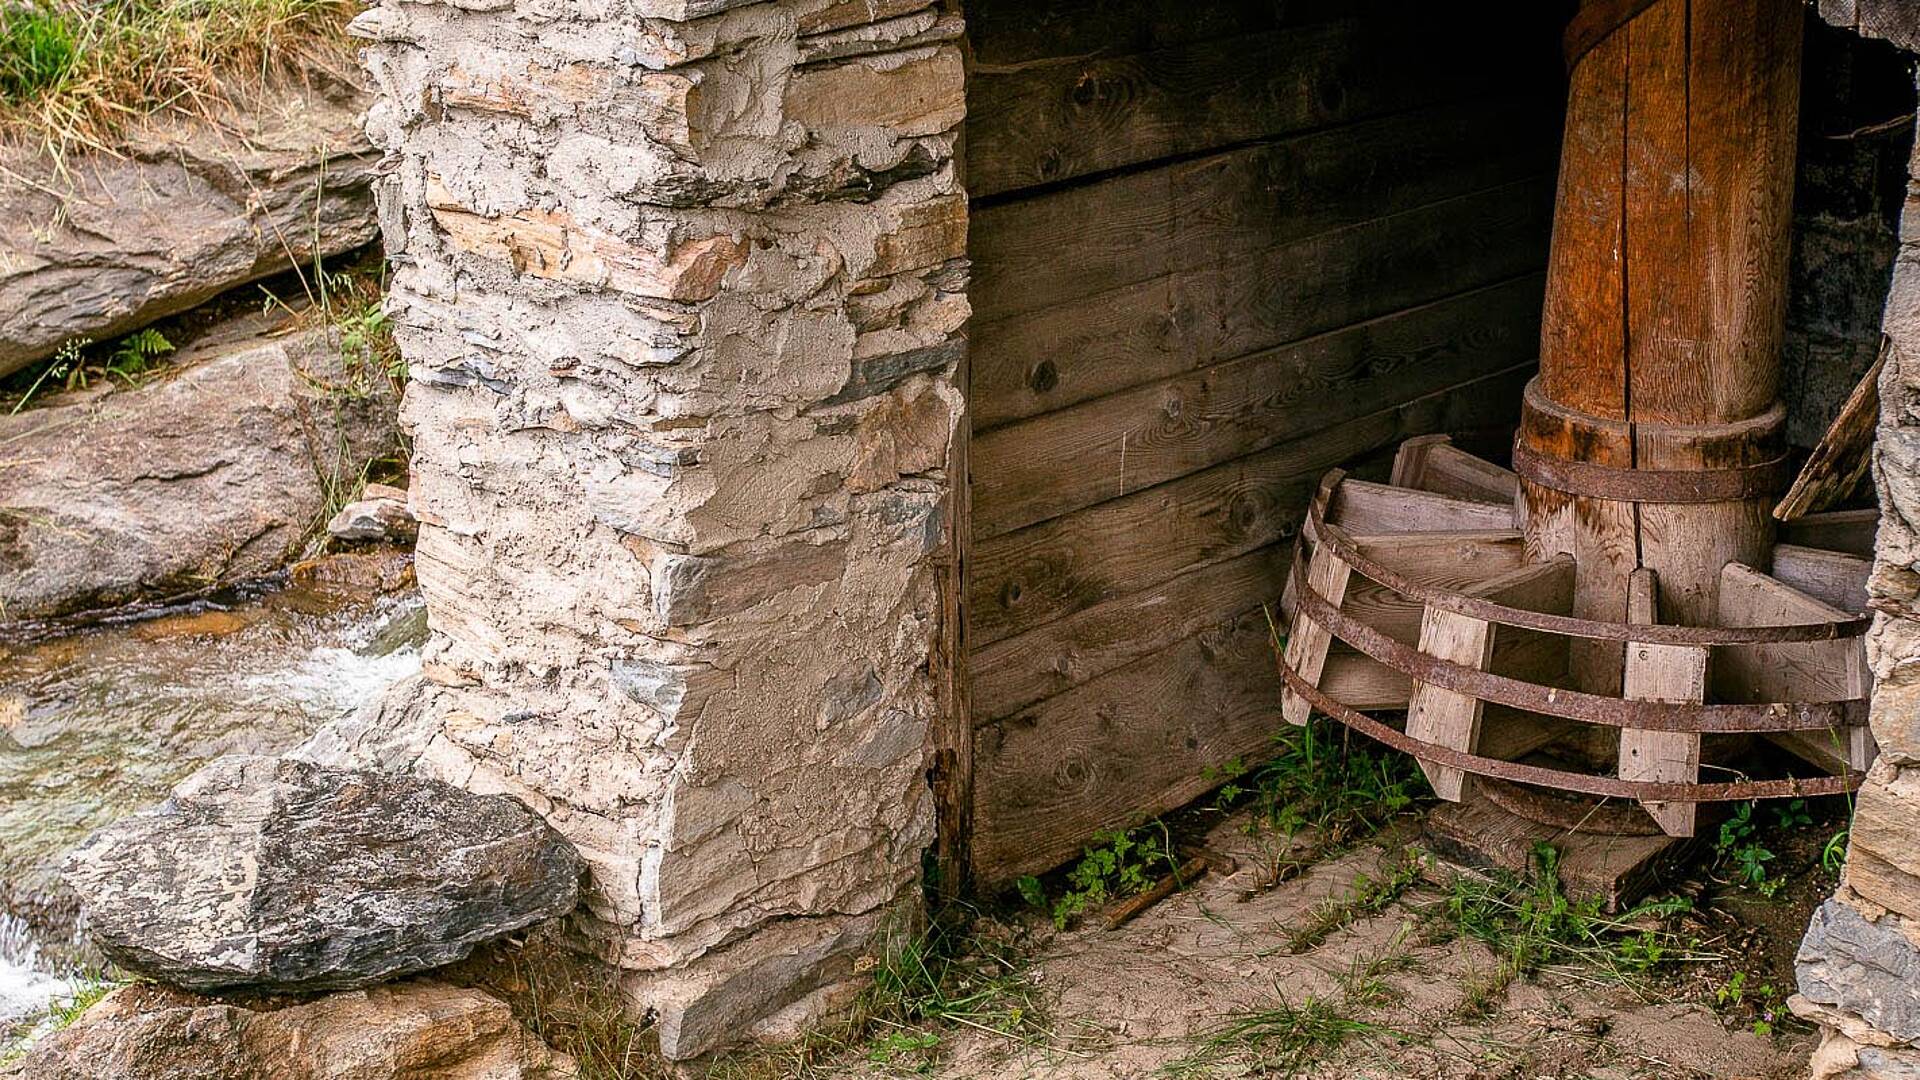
<point>1665,301</point>
<point>1676,673</point>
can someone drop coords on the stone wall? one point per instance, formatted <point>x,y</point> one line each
<point>1859,967</point>
<point>681,285</point>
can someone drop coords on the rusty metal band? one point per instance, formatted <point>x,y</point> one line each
<point>1573,704</point>
<point>1474,607</point>
<point>1583,783</point>
<point>1762,481</point>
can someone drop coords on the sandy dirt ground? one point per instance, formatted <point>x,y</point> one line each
<point>1154,998</point>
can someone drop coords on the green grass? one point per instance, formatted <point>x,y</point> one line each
<point>82,73</point>
<point>1532,924</point>
<point>37,51</point>
<point>1367,897</point>
<point>1323,785</point>
<point>929,983</point>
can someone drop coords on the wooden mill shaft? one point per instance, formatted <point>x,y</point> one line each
<point>1612,616</point>
<point>1666,292</point>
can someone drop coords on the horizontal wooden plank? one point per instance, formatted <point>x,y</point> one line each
<point>1038,252</point>
<point>1494,241</point>
<point>1134,742</point>
<point>1005,32</point>
<point>1377,509</point>
<point>1851,532</point>
<point>1016,672</point>
<point>1828,576</point>
<point>1026,578</point>
<point>1061,461</point>
<point>1042,121</point>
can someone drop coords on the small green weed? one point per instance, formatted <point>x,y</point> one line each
<point>1765,1001</point>
<point>1280,1039</point>
<point>132,359</point>
<point>1738,847</point>
<point>1321,783</point>
<point>1119,862</point>
<point>1532,923</point>
<point>1833,856</point>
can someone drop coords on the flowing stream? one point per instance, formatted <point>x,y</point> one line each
<point>98,724</point>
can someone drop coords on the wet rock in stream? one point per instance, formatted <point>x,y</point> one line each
<point>282,875</point>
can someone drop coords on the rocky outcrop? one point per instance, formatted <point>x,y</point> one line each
<point>283,875</point>
<point>110,243</point>
<point>380,513</point>
<point>215,471</point>
<point>413,1031</point>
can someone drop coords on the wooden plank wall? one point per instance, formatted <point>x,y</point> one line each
<point>1219,247</point>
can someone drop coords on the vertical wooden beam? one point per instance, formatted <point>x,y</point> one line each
<point>1666,298</point>
<point>1308,641</point>
<point>1441,716</point>
<point>1675,673</point>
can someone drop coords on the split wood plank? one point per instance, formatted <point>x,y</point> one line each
<point>1841,457</point>
<point>1308,641</point>
<point>1452,719</point>
<point>1041,360</point>
<point>1048,119</point>
<point>1074,457</point>
<point>1433,463</point>
<point>1851,532</point>
<point>1831,577</point>
<point>1363,507</point>
<point>1799,671</point>
<point>1671,673</point>
<point>1023,579</point>
<point>1139,740</point>
<point>1225,208</point>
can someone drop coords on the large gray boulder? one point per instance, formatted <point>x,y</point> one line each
<point>281,875</point>
<point>106,243</point>
<point>413,1031</point>
<point>217,471</point>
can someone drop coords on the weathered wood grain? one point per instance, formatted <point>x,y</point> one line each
<point>1802,671</point>
<point>1213,211</point>
<point>1492,242</point>
<point>1671,673</point>
<point>1433,463</point>
<point>1374,509</point>
<point>1064,460</point>
<point>1851,532</point>
<point>1044,121</point>
<point>1132,743</point>
<point>1831,577</point>
<point>1031,576</point>
<point>1844,452</point>
<point>1307,640</point>
<point>1016,672</point>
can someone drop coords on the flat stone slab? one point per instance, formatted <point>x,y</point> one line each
<point>412,1030</point>
<point>281,875</point>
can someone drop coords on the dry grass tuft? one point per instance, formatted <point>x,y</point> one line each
<point>82,74</point>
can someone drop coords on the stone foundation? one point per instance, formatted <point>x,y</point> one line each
<point>681,285</point>
<point>1859,966</point>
